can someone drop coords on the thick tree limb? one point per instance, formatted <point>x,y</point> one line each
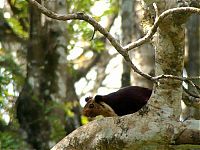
<point>129,133</point>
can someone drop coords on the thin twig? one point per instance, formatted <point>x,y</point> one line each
<point>190,93</point>
<point>156,10</point>
<point>185,79</point>
<point>93,33</point>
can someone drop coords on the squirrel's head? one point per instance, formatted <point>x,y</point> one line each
<point>96,106</point>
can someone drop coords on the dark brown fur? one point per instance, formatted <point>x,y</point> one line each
<point>122,102</point>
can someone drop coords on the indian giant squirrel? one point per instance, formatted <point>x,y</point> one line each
<point>125,101</point>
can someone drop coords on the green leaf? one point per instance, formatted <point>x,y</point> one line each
<point>17,28</point>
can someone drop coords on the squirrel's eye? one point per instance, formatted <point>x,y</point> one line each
<point>91,106</point>
<point>87,99</point>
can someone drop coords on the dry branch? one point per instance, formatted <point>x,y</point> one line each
<point>124,50</point>
<point>97,27</point>
<point>152,31</point>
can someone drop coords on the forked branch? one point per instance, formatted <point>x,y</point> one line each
<point>124,50</point>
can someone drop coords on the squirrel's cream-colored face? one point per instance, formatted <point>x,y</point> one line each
<point>93,109</point>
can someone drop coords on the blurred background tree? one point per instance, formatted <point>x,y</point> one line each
<point>41,62</point>
<point>47,67</point>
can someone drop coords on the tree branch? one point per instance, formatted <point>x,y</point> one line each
<point>97,26</point>
<point>124,50</point>
<point>187,80</point>
<point>79,16</point>
<point>151,32</point>
<point>130,133</point>
<point>191,100</point>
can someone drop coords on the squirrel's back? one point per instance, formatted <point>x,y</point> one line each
<point>125,101</point>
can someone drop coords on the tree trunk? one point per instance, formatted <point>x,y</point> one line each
<point>193,63</point>
<point>127,28</point>
<point>46,82</point>
<point>31,102</point>
<point>143,56</point>
<point>193,33</point>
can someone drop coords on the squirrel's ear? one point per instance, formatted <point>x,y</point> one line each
<point>88,98</point>
<point>98,98</point>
